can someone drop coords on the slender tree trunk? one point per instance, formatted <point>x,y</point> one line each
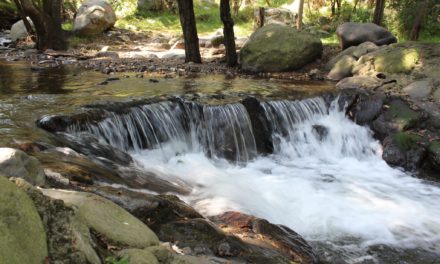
<point>24,17</point>
<point>188,23</point>
<point>418,21</point>
<point>260,22</point>
<point>228,32</point>
<point>300,15</point>
<point>354,8</point>
<point>333,7</point>
<point>47,22</point>
<point>378,12</point>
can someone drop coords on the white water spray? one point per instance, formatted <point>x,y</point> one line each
<point>326,180</point>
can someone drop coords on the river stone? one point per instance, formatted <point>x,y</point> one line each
<point>275,48</point>
<point>354,51</point>
<point>359,82</point>
<point>419,89</point>
<point>353,34</point>
<point>108,219</point>
<point>342,68</point>
<point>18,30</point>
<point>16,163</point>
<point>22,236</point>
<point>94,17</point>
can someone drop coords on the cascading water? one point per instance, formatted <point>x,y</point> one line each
<point>326,179</point>
<point>219,131</point>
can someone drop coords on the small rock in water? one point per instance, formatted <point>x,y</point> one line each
<point>111,79</point>
<point>103,83</point>
<point>153,80</point>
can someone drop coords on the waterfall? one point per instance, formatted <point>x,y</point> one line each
<point>325,178</point>
<point>221,131</point>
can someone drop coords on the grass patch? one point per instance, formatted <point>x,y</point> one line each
<point>207,19</point>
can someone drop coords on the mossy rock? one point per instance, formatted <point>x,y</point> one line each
<point>403,116</point>
<point>106,218</point>
<point>397,61</point>
<point>406,141</point>
<point>434,153</point>
<point>276,48</point>
<point>22,235</point>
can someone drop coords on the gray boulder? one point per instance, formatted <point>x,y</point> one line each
<point>354,51</point>
<point>94,17</point>
<point>359,82</point>
<point>342,68</point>
<point>276,48</point>
<point>279,16</point>
<point>16,163</point>
<point>353,34</point>
<point>420,89</point>
<point>19,31</point>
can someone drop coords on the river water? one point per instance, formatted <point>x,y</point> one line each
<point>325,179</point>
<point>331,188</point>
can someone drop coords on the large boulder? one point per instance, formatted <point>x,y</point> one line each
<point>106,218</point>
<point>19,31</point>
<point>275,48</point>
<point>16,163</point>
<point>94,17</point>
<point>353,34</point>
<point>22,235</point>
<point>279,16</point>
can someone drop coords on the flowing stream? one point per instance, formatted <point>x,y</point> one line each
<point>326,179</point>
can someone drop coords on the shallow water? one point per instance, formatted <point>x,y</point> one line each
<point>26,95</point>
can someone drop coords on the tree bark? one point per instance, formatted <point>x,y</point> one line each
<point>228,32</point>
<point>418,21</point>
<point>188,23</point>
<point>47,22</point>
<point>378,12</point>
<point>300,15</point>
<point>23,17</point>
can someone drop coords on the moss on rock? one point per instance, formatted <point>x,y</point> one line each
<point>22,235</point>
<point>107,219</point>
<point>275,48</point>
<point>406,141</point>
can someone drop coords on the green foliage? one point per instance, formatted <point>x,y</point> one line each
<point>274,3</point>
<point>400,16</point>
<point>124,8</point>
<point>113,260</point>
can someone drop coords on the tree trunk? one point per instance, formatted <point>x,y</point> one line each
<point>260,20</point>
<point>188,23</point>
<point>47,22</point>
<point>228,32</point>
<point>23,17</point>
<point>333,7</point>
<point>418,21</point>
<point>378,12</point>
<point>300,15</point>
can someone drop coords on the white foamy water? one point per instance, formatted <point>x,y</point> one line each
<point>327,190</point>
